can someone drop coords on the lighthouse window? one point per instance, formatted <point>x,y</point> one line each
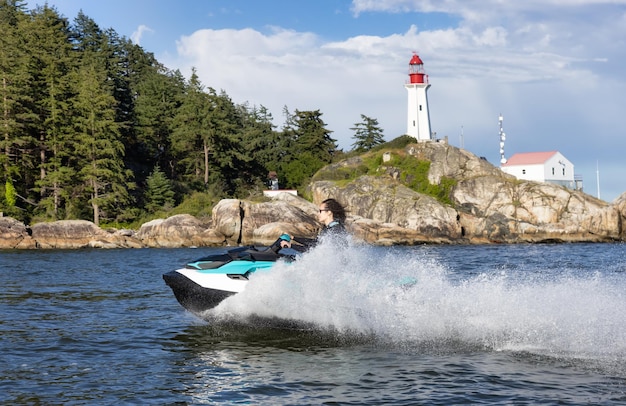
<point>523,171</point>
<point>553,170</point>
<point>420,107</point>
<point>563,171</point>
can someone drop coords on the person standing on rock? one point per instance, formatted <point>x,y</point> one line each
<point>273,180</point>
<point>332,215</point>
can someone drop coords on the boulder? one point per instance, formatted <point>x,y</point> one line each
<point>386,234</point>
<point>248,223</point>
<point>226,217</point>
<point>14,234</point>
<point>66,234</point>
<point>181,230</point>
<point>620,206</point>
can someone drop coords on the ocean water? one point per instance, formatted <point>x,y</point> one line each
<point>436,325</point>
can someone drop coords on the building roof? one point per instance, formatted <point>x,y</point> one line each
<point>529,158</point>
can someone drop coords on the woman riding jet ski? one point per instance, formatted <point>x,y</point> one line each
<point>332,215</point>
<point>204,283</point>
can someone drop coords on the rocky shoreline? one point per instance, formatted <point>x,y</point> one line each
<point>489,206</point>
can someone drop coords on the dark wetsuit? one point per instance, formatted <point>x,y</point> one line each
<point>334,228</point>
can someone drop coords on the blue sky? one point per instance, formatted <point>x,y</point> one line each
<point>553,68</point>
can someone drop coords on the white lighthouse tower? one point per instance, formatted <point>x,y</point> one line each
<point>418,118</point>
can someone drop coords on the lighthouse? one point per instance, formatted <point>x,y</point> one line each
<point>418,118</point>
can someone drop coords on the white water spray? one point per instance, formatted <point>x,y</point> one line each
<point>411,297</point>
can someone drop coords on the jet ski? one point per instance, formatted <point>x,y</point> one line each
<point>207,281</point>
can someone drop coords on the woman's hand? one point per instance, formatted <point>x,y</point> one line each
<point>285,240</point>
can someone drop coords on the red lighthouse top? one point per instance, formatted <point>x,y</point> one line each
<point>416,70</point>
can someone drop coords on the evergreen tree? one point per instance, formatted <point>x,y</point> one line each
<point>261,142</point>
<point>87,37</point>
<point>287,141</point>
<point>192,141</point>
<point>99,150</point>
<point>121,60</point>
<point>16,141</point>
<point>311,146</point>
<point>10,13</point>
<point>124,66</point>
<point>234,166</point>
<point>159,194</point>
<point>207,138</point>
<point>52,64</point>
<point>158,97</point>
<point>313,137</point>
<point>367,134</point>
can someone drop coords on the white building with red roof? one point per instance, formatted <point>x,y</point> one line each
<point>549,166</point>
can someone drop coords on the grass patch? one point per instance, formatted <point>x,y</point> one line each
<point>413,172</point>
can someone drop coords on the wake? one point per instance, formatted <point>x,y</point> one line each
<point>412,298</point>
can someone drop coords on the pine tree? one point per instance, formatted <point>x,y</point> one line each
<point>16,141</point>
<point>233,164</point>
<point>311,147</point>
<point>159,193</point>
<point>98,149</point>
<point>206,138</point>
<point>190,139</point>
<point>53,64</point>
<point>313,137</point>
<point>261,142</point>
<point>158,97</point>
<point>367,134</point>
<point>79,106</point>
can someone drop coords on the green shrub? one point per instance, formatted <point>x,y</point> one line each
<point>197,204</point>
<point>413,172</point>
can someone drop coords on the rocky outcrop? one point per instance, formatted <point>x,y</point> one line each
<point>66,234</point>
<point>243,222</point>
<point>182,230</point>
<point>233,222</point>
<point>14,234</point>
<point>487,206</point>
<point>533,212</point>
<point>392,210</point>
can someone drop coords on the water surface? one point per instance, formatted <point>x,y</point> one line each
<point>523,324</point>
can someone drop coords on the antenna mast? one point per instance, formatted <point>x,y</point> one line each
<point>502,138</point>
<point>598,178</point>
<point>462,143</point>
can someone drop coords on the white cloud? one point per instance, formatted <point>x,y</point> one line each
<point>138,34</point>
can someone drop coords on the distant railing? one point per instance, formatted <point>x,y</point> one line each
<point>578,182</point>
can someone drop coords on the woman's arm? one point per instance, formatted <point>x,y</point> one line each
<point>303,244</point>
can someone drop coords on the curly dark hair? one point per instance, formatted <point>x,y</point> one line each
<point>339,213</point>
